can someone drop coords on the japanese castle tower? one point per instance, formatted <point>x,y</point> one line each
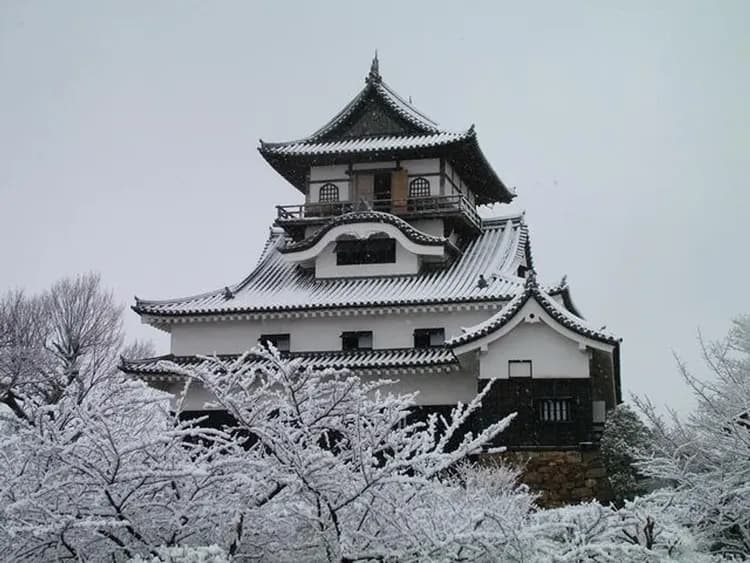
<point>388,270</point>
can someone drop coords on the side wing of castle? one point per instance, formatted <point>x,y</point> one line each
<point>388,270</point>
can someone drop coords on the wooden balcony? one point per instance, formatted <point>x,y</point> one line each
<point>450,206</point>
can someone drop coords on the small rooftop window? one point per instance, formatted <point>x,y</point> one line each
<point>359,340</point>
<point>369,251</point>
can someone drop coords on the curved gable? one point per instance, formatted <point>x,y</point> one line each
<point>362,218</point>
<point>533,305</point>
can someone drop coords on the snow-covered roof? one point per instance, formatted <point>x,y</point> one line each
<point>406,358</point>
<point>365,144</point>
<point>557,311</point>
<point>278,285</point>
<point>380,124</point>
<point>374,84</point>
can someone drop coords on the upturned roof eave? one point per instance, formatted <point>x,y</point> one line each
<point>144,310</point>
<point>456,286</point>
<point>464,152</point>
<point>389,358</point>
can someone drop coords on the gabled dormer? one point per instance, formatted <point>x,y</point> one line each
<point>380,153</point>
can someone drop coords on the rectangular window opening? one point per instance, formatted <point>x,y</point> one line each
<point>429,337</point>
<point>280,341</point>
<point>369,251</point>
<point>359,340</point>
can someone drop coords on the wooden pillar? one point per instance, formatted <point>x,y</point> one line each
<point>399,190</point>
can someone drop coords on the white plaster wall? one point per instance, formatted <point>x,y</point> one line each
<point>316,334</point>
<point>373,165</point>
<point>323,173</point>
<point>313,195</point>
<point>334,174</point>
<point>434,389</point>
<point>422,166</point>
<point>552,355</point>
<point>433,227</point>
<point>437,388</point>
<point>417,166</point>
<point>406,263</point>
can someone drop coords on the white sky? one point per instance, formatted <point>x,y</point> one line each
<point>128,135</point>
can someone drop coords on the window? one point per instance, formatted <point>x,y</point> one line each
<point>361,340</point>
<point>328,193</point>
<point>279,341</point>
<point>369,251</point>
<point>429,337</point>
<point>419,187</point>
<point>519,369</point>
<point>555,410</point>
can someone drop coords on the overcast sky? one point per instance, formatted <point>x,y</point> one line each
<point>128,136</point>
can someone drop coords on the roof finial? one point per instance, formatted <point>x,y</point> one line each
<point>531,282</point>
<point>374,68</point>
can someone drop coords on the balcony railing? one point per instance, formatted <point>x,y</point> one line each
<point>414,206</point>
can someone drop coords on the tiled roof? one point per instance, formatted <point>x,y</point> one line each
<point>375,85</point>
<point>551,307</point>
<point>410,232</point>
<point>357,360</point>
<point>404,133</point>
<point>365,144</point>
<point>277,285</point>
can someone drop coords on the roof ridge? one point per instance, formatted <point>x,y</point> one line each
<point>390,91</point>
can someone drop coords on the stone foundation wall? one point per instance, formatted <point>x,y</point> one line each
<point>561,477</point>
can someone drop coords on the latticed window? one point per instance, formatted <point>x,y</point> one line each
<point>555,410</point>
<point>419,187</point>
<point>328,193</point>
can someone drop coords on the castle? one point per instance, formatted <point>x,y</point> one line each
<point>388,270</point>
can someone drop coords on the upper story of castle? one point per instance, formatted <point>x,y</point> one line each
<point>380,160</point>
<point>381,153</point>
<point>389,219</point>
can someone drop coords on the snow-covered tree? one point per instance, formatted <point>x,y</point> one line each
<point>640,532</point>
<point>705,459</point>
<point>186,554</point>
<point>94,466</point>
<point>347,475</point>
<point>319,465</point>
<point>624,435</point>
